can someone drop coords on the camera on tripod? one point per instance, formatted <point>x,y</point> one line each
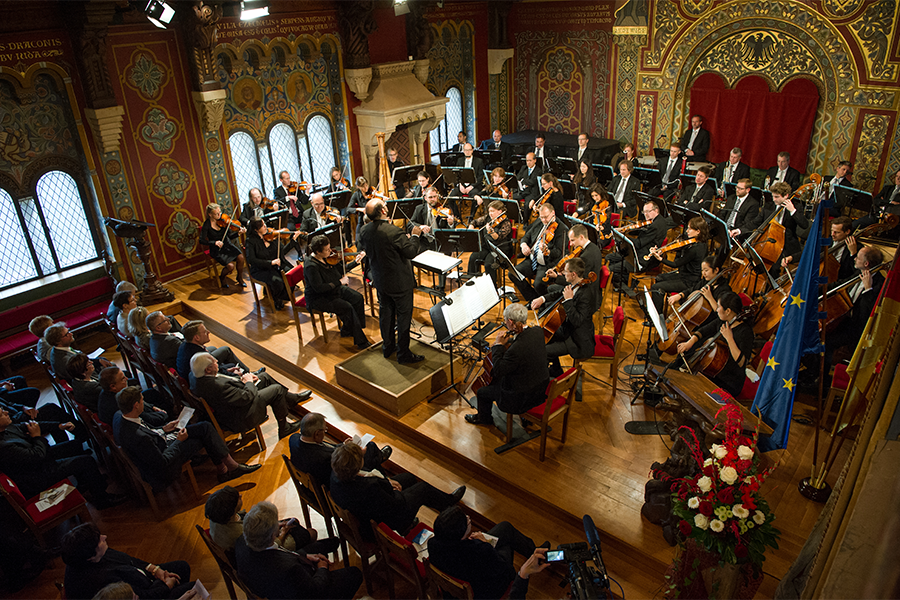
<point>587,581</point>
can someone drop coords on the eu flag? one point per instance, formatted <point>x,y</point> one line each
<point>798,334</point>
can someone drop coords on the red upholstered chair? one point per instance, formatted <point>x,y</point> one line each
<point>608,348</point>
<point>615,219</point>
<point>745,299</point>
<point>560,395</point>
<point>292,278</point>
<point>839,384</point>
<point>449,586</point>
<point>569,207</point>
<point>40,522</point>
<point>748,392</point>
<point>605,284</point>
<point>402,558</point>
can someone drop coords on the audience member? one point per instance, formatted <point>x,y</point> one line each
<point>270,572</point>
<point>137,327</point>
<point>125,302</point>
<point>196,336</point>
<point>60,339</point>
<point>113,381</point>
<point>312,454</point>
<point>370,496</point>
<point>15,390</point>
<point>37,327</point>
<point>240,401</point>
<point>112,313</point>
<point>85,387</point>
<point>91,565</point>
<point>163,344</point>
<point>159,451</point>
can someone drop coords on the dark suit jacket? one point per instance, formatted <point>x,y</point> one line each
<point>186,352</point>
<point>86,579</point>
<point>86,392</point>
<point>26,459</point>
<point>701,144</point>
<point>280,195</point>
<point>741,172</point>
<point>664,174</point>
<point>791,223</point>
<point>791,177</point>
<point>529,182</point>
<point>373,498</point>
<point>505,149</point>
<point>634,185</point>
<point>237,405</point>
<point>164,348</point>
<point>474,561</point>
<point>310,223</point>
<point>557,244</point>
<point>314,459</point>
<point>248,214</point>
<point>747,214</point>
<point>577,331</point>
<point>593,262</point>
<point>277,573</point>
<point>322,282</point>
<point>107,407</point>
<point>159,462</point>
<point>863,306</point>
<point>589,155</point>
<point>388,253</point>
<point>478,167</point>
<point>59,357</point>
<point>522,370</point>
<point>704,197</point>
<point>651,235</point>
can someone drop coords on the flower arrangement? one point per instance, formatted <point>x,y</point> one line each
<point>720,507</point>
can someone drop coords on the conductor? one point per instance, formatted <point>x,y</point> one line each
<point>389,251</point>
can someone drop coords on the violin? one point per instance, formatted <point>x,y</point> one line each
<point>332,215</point>
<point>283,234</point>
<point>441,212</point>
<point>674,246</point>
<point>536,209</point>
<point>337,257</point>
<point>600,214</point>
<point>226,222</point>
<point>633,226</point>
<point>496,222</point>
<point>302,185</point>
<point>267,204</point>
<point>500,188</point>
<point>548,237</point>
<point>554,319</point>
<point>575,253</point>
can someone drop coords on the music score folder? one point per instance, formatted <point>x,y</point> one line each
<point>463,307</point>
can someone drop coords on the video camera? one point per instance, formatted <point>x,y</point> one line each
<point>586,581</point>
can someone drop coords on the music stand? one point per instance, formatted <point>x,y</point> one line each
<point>650,177</point>
<point>730,188</point>
<point>603,173</point>
<point>339,199</point>
<point>658,324</point>
<point>436,264</point>
<point>449,159</point>
<point>661,153</point>
<point>275,214</point>
<point>405,177</point>
<point>687,180</point>
<point>461,309</point>
<point>404,206</point>
<point>565,164</point>
<point>488,157</point>
<point>718,229</point>
<point>516,163</point>
<point>626,242</point>
<point>519,281</point>
<point>457,241</point>
<point>852,198</point>
<point>568,189</point>
<point>458,175</point>
<point>331,232</point>
<point>681,215</point>
<point>593,235</point>
<point>644,197</point>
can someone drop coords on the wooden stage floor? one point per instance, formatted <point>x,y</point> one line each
<point>600,471</point>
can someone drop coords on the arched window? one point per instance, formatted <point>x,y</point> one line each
<point>321,148</point>
<point>46,232</point>
<point>244,160</point>
<point>444,137</point>
<point>283,148</point>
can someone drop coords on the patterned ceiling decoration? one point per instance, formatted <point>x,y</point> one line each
<point>872,33</point>
<point>452,64</point>
<point>873,128</point>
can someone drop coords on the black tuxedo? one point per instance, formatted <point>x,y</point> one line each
<point>704,196</point>
<point>478,167</point>
<point>302,204</point>
<point>529,182</point>
<point>746,217</point>
<point>701,144</point>
<point>628,198</point>
<point>557,249</point>
<point>505,150</point>
<point>279,573</point>
<point>588,155</point>
<point>670,176</point>
<point>741,171</point>
<point>576,335</point>
<point>241,406</point>
<point>519,377</point>
<point>792,177</point>
<point>791,223</point>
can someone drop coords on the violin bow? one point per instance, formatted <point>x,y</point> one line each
<point>225,229</point>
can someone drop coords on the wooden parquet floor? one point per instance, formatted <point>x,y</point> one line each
<point>600,470</point>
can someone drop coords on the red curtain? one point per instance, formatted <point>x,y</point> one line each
<point>760,122</point>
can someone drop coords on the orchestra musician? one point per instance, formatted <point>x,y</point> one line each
<point>389,251</point>
<point>623,187</point>
<point>669,172</point>
<point>357,203</point>
<point>327,289</point>
<point>597,195</point>
<point>583,154</point>
<point>737,334</point>
<point>541,152</point>
<point>783,171</point>
<point>318,215</point>
<point>548,183</point>
<point>460,142</point>
<point>575,336</point>
<point>495,143</point>
<point>650,235</point>
<point>701,193</point>
<point>590,254</point>
<point>254,207</point>
<point>336,181</point>
<point>844,247</point>
<point>542,249</point>
<point>584,178</point>
<point>519,375</point>
<point>790,218</point>
<point>469,161</point>
<point>887,201</point>
<point>688,263</point>
<point>732,170</point>
<point>500,235</point>
<point>528,180</point>
<point>628,153</point>
<point>496,189</point>
<point>695,140</point>
<point>711,291</point>
<point>296,202</point>
<point>423,180</point>
<point>740,211</point>
<point>428,217</point>
<point>841,178</point>
<point>266,260</point>
<point>220,241</point>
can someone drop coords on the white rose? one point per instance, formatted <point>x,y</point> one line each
<point>728,474</point>
<point>759,518</point>
<point>719,451</point>
<point>740,512</point>
<point>694,502</point>
<point>705,483</point>
<point>707,462</point>
<point>716,525</point>
<point>745,452</point>
<point>748,479</point>
<point>701,521</point>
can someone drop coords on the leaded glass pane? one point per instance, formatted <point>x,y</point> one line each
<point>15,259</point>
<point>303,147</point>
<point>66,219</point>
<point>243,159</point>
<point>38,235</point>
<point>321,145</point>
<point>270,181</point>
<point>283,143</point>
<point>454,117</point>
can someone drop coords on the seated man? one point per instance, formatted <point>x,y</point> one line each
<point>590,254</point>
<point>270,572</point>
<point>91,565</point>
<point>60,339</point>
<point>226,525</point>
<point>37,326</point>
<point>700,194</point>
<point>468,555</point>
<point>196,336</point>
<point>113,381</point>
<point>428,217</point>
<point>112,312</point>
<point>370,496</point>
<point>15,390</point>
<point>669,172</point>
<point>740,211</point>
<point>312,454</point>
<point>543,245</point>
<point>163,344</point>
<point>791,218</point>
<point>317,216</point>
<point>520,375</point>
<point>159,451</point>
<point>240,402</point>
<point>784,172</point>
<point>29,460</point>
<point>732,170</point>
<point>468,191</point>
<point>646,237</point>
<point>528,177</point>
<point>51,414</point>
<point>579,300</point>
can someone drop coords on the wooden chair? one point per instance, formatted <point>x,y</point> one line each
<point>295,277</point>
<point>608,348</point>
<point>40,522</point>
<point>311,495</point>
<point>228,570</point>
<point>348,529</point>
<point>402,558</point>
<point>453,587</point>
<point>257,429</point>
<point>212,267</point>
<point>560,395</point>
<point>265,286</point>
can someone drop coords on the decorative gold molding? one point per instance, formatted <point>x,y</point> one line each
<point>106,125</point>
<point>210,107</point>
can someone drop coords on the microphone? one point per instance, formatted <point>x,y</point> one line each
<point>448,301</point>
<point>590,531</point>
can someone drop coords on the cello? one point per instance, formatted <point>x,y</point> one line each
<point>556,316</point>
<point>713,355</point>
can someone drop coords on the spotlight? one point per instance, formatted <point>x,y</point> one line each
<point>159,13</point>
<point>254,9</point>
<point>400,8</point>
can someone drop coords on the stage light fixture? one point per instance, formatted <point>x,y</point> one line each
<point>254,9</point>
<point>159,13</point>
<point>400,7</point>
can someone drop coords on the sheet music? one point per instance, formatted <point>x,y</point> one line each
<point>436,261</point>
<point>469,302</point>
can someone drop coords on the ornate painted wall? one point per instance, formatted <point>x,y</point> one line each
<point>452,64</point>
<point>848,48</point>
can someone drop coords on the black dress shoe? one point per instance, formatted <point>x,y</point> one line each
<point>238,471</point>
<point>298,397</point>
<point>259,370</point>
<point>346,334</point>
<point>476,420</point>
<point>241,284</point>
<point>386,452</point>
<point>364,345</point>
<point>458,493</point>
<point>288,429</point>
<point>410,358</point>
<point>388,351</point>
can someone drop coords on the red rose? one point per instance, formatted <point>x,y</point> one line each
<point>685,528</point>
<point>740,550</point>
<point>706,508</point>
<point>726,495</point>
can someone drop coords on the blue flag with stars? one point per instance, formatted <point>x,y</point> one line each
<point>798,334</point>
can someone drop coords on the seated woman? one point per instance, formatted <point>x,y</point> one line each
<point>500,236</point>
<point>496,189</point>
<point>125,302</point>
<point>585,212</point>
<point>688,261</point>
<point>628,153</point>
<point>327,289</point>
<point>336,181</point>
<point>584,180</point>
<point>738,338</point>
<point>220,242</point>
<point>266,260</point>
<point>710,285</point>
<point>85,386</point>
<point>357,204</point>
<point>137,327</point>
<point>549,183</point>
